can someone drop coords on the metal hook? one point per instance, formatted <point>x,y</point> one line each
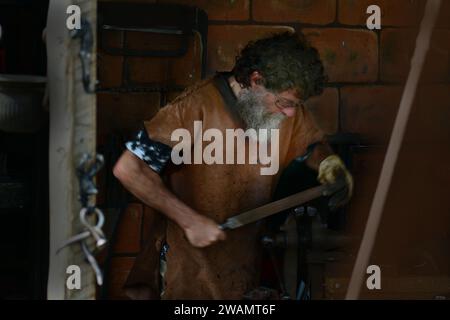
<point>86,45</point>
<point>77,238</point>
<point>93,262</point>
<point>86,171</point>
<point>96,230</point>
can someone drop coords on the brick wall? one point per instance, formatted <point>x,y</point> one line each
<point>366,71</point>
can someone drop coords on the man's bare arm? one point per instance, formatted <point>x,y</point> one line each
<point>147,185</point>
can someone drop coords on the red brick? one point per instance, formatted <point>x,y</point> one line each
<point>146,71</point>
<point>358,210</point>
<point>219,9</point>
<point>397,48</point>
<point>429,119</point>
<point>437,64</point>
<point>152,41</point>
<point>110,67</point>
<point>225,43</point>
<point>419,189</point>
<point>417,175</point>
<point>370,111</point>
<point>324,109</point>
<point>422,173</point>
<point>181,71</point>
<point>304,11</point>
<point>393,13</point>
<point>366,171</point>
<point>109,70</point>
<point>120,268</point>
<point>125,112</point>
<point>111,39</point>
<point>348,55</point>
<point>128,233</point>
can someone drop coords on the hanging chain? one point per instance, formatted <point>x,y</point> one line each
<point>86,172</point>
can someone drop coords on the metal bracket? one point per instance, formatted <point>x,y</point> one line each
<point>86,44</point>
<point>86,171</point>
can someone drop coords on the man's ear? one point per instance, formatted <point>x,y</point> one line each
<point>256,79</point>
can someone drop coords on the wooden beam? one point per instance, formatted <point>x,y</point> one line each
<point>72,133</point>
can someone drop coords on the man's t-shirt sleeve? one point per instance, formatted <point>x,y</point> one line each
<point>153,143</point>
<point>155,154</point>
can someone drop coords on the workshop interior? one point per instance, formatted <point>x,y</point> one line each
<point>71,99</point>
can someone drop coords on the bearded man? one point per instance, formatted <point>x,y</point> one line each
<point>266,89</point>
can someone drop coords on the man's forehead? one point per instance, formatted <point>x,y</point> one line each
<point>290,94</point>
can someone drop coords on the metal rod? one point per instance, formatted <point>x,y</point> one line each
<point>166,30</point>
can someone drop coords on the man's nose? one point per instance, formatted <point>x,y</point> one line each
<point>288,112</point>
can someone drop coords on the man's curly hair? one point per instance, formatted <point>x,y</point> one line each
<point>285,61</point>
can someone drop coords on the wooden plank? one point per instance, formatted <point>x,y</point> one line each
<point>72,133</point>
<point>61,200</point>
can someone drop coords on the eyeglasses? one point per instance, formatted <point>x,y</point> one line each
<point>283,103</point>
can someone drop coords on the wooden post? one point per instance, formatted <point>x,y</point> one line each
<point>72,133</point>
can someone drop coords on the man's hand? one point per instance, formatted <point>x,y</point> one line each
<point>202,232</point>
<point>331,170</point>
<point>137,177</point>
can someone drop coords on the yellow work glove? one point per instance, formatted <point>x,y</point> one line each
<point>332,170</point>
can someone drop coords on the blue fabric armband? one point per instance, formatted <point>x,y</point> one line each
<point>155,154</point>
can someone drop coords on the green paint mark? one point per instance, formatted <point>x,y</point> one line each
<point>330,56</point>
<point>353,56</point>
<point>388,51</point>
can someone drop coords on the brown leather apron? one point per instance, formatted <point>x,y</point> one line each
<point>228,269</point>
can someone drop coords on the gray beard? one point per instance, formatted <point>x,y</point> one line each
<point>251,108</point>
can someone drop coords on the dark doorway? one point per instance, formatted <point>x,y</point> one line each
<point>23,152</point>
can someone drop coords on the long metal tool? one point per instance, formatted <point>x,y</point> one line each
<point>280,205</point>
